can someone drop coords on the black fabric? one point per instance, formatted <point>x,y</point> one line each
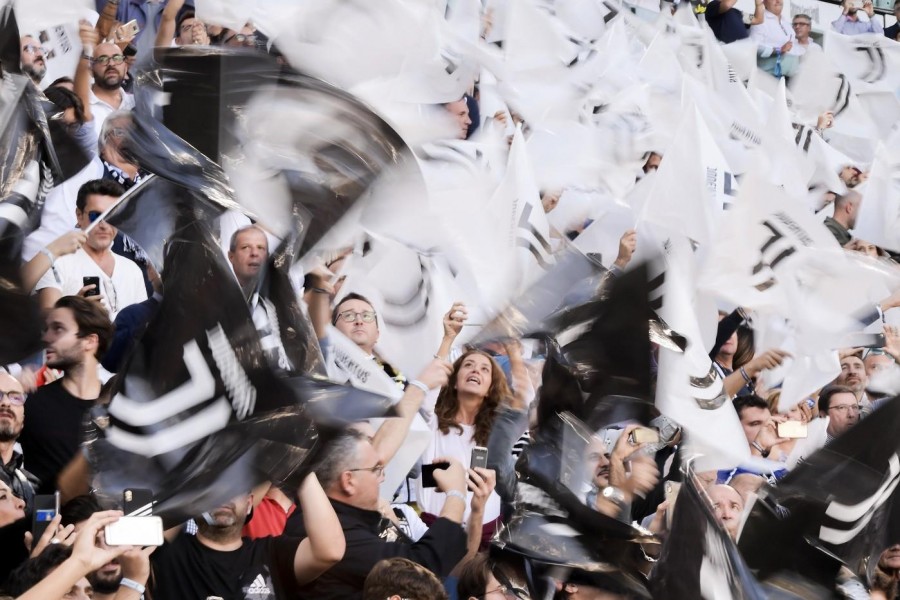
<point>438,550</point>
<point>22,484</point>
<point>728,26</point>
<point>261,569</point>
<point>52,432</point>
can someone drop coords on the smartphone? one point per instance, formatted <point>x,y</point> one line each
<point>95,281</point>
<point>46,506</point>
<point>135,531</point>
<point>127,31</point>
<point>137,502</point>
<point>643,435</point>
<point>792,429</point>
<point>428,473</point>
<point>479,457</point>
<point>672,489</point>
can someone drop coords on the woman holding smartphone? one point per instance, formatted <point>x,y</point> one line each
<point>462,416</point>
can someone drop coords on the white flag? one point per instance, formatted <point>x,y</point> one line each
<point>878,220</point>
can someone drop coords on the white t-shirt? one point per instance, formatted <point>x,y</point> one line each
<point>451,445</point>
<point>124,288</point>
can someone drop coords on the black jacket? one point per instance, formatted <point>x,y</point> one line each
<point>439,550</point>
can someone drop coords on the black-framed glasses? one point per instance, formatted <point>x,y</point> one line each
<point>367,316</point>
<point>33,49</point>
<point>846,408</point>
<point>185,27</point>
<point>377,470</point>
<point>15,398</point>
<point>104,59</point>
<point>93,215</point>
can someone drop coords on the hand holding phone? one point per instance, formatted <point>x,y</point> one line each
<point>479,458</point>
<point>94,281</point>
<point>46,507</point>
<point>428,479</point>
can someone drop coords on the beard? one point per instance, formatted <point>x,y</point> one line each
<point>109,84</point>
<point>35,71</point>
<point>10,432</point>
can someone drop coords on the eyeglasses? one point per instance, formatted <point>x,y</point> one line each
<point>377,470</point>
<point>367,316</point>
<point>34,49</point>
<point>509,593</point>
<point>115,59</point>
<point>240,38</point>
<point>15,398</point>
<point>846,408</point>
<point>195,25</point>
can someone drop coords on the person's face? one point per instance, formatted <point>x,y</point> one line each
<point>727,505</point>
<point>550,200</point>
<point>106,579</point>
<point>752,420</point>
<point>363,334</point>
<point>82,590</point>
<point>34,64</point>
<point>801,28</point>
<point>64,349</point>
<point>12,414</point>
<point>867,248</point>
<point>843,410</point>
<point>851,176</point>
<point>109,76</point>
<point>250,254</point>
<point>853,374</point>
<point>231,514</point>
<point>364,478</point>
<point>475,375</point>
<point>652,163</point>
<point>459,110</point>
<point>877,362</point>
<point>493,589</point>
<point>192,32</point>
<point>796,414</point>
<point>12,508</point>
<point>101,237</point>
<point>890,558</point>
<point>598,462</point>
<point>730,345</point>
<point>774,6</point>
<point>245,38</point>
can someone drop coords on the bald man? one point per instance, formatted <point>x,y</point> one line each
<point>728,506</point>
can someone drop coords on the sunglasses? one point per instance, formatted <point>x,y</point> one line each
<point>93,215</point>
<point>115,59</point>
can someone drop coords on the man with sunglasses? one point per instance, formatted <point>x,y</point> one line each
<point>34,63</point>
<point>121,281</point>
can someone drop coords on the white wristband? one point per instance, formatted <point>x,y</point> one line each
<point>132,584</point>
<point>456,494</point>
<point>420,385</point>
<point>49,255</point>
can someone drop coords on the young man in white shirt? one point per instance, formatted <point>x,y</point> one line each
<point>121,282</point>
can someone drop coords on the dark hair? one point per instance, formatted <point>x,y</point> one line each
<point>78,509</point>
<point>336,455</point>
<point>473,577</point>
<point>32,571</point>
<point>749,401</point>
<point>186,13</point>
<point>99,187</point>
<point>745,347</point>
<point>402,577</point>
<point>92,319</point>
<point>65,98</point>
<point>351,296</point>
<point>448,403</point>
<point>60,81</point>
<point>827,392</point>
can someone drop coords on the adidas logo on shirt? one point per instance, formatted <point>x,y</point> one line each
<point>258,590</point>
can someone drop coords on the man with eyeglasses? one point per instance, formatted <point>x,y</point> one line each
<point>12,470</point>
<point>853,376</point>
<point>802,25</point>
<point>121,283</point>
<point>838,403</point>
<point>351,470</point>
<point>34,63</point>
<point>106,64</point>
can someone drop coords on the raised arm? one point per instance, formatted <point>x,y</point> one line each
<point>34,269</point>
<point>166,32</point>
<point>89,40</point>
<point>324,544</point>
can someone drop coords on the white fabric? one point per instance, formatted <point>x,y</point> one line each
<point>58,216</point>
<point>100,109</point>
<point>451,445</point>
<point>812,46</point>
<point>125,287</point>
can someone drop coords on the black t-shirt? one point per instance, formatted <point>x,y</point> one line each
<point>728,26</point>
<point>52,432</point>
<point>261,569</point>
